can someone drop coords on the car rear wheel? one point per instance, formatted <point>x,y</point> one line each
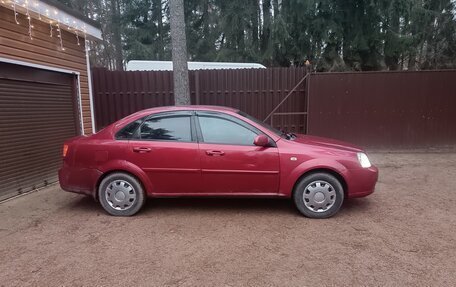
<point>121,194</point>
<point>318,195</point>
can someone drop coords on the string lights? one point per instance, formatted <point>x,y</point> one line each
<point>15,13</point>
<point>29,18</point>
<point>30,27</point>
<point>60,36</point>
<point>50,28</point>
<point>86,44</point>
<point>57,20</point>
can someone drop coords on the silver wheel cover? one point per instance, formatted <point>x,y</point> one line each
<point>120,195</point>
<point>319,196</point>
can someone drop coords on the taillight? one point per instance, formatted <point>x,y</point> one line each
<point>65,150</point>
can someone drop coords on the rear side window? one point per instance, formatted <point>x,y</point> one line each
<point>128,131</point>
<point>169,128</point>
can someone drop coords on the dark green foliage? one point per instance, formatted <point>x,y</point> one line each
<point>335,35</point>
<point>146,33</point>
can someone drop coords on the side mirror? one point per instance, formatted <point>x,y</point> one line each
<point>261,140</point>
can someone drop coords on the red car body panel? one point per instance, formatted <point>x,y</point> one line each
<point>203,169</point>
<point>173,168</point>
<point>241,169</point>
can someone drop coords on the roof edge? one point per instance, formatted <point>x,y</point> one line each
<point>73,13</point>
<point>55,13</point>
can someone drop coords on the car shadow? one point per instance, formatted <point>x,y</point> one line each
<point>222,205</point>
<point>84,203</point>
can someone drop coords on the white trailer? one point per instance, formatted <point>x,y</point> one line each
<point>137,65</point>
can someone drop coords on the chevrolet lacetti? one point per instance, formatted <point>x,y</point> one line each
<point>212,151</point>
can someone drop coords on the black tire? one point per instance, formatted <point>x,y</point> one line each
<point>316,182</point>
<point>129,186</point>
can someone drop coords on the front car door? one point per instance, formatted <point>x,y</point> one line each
<point>165,148</point>
<point>230,162</point>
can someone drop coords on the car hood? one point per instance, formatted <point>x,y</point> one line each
<point>326,142</point>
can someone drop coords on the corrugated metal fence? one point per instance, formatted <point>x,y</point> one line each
<point>255,91</point>
<point>385,109</point>
<point>379,109</point>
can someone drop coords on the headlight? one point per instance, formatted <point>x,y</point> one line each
<point>364,160</point>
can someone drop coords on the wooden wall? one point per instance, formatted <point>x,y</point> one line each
<point>16,44</point>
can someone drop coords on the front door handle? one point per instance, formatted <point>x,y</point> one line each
<point>215,152</point>
<point>141,149</point>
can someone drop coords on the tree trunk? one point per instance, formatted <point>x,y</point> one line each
<point>157,15</point>
<point>179,53</point>
<point>116,37</point>
<point>392,47</point>
<point>276,8</point>
<point>265,35</point>
<point>412,60</point>
<point>254,17</point>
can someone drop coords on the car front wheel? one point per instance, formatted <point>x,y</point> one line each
<point>121,194</point>
<point>318,195</point>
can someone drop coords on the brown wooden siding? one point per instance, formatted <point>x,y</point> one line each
<point>16,44</point>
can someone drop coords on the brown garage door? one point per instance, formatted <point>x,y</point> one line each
<point>37,113</point>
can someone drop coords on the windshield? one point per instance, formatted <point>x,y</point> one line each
<point>265,125</point>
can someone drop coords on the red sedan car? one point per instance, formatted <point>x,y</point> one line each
<point>212,151</point>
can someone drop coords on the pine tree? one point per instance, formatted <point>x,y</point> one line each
<point>359,35</point>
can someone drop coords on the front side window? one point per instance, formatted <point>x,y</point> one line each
<point>263,124</point>
<point>169,128</point>
<point>223,131</point>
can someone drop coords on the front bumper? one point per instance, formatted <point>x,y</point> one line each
<point>362,182</point>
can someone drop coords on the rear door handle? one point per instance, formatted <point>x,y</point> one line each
<point>214,153</point>
<point>141,149</point>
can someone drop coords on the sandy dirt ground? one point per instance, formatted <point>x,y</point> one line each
<point>403,234</point>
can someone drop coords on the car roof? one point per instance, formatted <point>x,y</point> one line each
<point>189,108</point>
<point>150,111</point>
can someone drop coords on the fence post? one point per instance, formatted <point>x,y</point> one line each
<point>307,93</point>
<point>197,88</point>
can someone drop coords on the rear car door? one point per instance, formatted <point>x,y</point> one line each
<point>165,148</point>
<point>230,162</point>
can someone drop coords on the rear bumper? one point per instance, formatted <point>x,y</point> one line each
<point>79,180</point>
<point>362,182</point>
